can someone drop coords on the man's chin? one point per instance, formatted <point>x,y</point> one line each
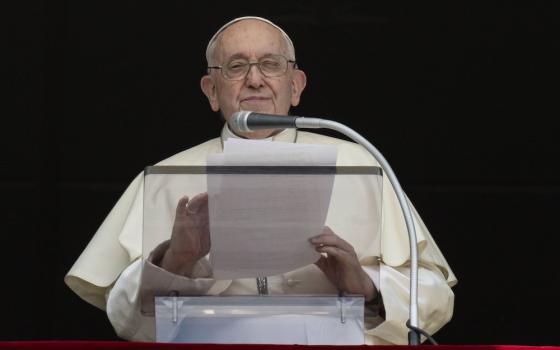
<point>258,108</point>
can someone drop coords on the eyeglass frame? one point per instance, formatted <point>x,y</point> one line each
<point>257,63</point>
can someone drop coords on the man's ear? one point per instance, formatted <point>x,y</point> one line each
<point>299,80</point>
<point>208,86</point>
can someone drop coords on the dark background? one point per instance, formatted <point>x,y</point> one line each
<point>461,98</point>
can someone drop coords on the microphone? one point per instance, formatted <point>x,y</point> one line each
<point>246,121</point>
<point>251,121</point>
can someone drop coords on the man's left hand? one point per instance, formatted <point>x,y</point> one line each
<point>341,265</point>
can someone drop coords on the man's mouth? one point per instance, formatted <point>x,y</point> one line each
<point>255,99</point>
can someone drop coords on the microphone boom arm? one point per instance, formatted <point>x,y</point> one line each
<point>318,123</point>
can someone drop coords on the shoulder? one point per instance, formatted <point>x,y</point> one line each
<point>349,153</point>
<point>195,155</point>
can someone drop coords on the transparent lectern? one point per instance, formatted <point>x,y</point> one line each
<point>259,283</point>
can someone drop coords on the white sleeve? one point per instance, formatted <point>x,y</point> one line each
<point>131,299</point>
<point>435,301</point>
<point>123,306</point>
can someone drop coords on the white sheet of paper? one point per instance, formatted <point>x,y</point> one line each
<point>260,224</point>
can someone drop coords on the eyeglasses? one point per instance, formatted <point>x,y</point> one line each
<point>270,66</point>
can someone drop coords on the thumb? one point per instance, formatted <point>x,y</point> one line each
<point>322,263</point>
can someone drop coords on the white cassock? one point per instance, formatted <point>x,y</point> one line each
<point>107,273</point>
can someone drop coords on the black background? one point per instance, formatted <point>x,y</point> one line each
<point>460,97</point>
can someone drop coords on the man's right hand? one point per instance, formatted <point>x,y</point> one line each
<point>190,239</point>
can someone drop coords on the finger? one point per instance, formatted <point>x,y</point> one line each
<point>198,202</point>
<point>181,205</point>
<point>332,240</point>
<point>322,263</point>
<point>207,241</point>
<point>337,253</point>
<point>203,197</point>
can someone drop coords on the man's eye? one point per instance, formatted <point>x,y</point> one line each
<point>236,66</point>
<point>270,64</point>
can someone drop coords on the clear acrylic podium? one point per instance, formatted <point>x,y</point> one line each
<point>346,199</point>
<point>311,320</point>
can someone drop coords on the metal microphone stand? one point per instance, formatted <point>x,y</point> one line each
<point>317,123</point>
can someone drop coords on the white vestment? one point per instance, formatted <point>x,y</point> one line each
<point>107,273</point>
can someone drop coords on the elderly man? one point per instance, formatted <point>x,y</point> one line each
<point>251,66</point>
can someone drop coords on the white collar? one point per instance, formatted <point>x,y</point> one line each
<point>286,135</point>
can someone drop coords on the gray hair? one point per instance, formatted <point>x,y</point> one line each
<point>212,43</point>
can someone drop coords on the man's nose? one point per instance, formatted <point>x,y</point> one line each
<point>254,77</point>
